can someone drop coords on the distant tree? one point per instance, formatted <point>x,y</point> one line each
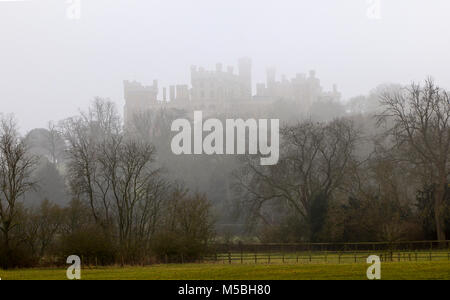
<point>370,104</point>
<point>48,143</point>
<point>55,143</point>
<point>84,134</point>
<point>51,185</point>
<point>421,132</point>
<point>315,161</point>
<point>376,204</point>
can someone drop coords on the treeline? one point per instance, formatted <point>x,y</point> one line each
<point>89,186</point>
<point>123,208</point>
<point>377,177</point>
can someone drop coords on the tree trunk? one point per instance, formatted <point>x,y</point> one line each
<point>439,211</point>
<point>7,258</point>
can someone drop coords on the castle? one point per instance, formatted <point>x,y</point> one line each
<point>224,90</point>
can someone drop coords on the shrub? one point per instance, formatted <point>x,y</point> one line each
<point>90,244</point>
<point>188,228</point>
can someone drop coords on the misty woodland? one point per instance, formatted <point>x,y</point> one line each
<point>109,188</point>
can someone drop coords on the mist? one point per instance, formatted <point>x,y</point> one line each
<point>51,66</point>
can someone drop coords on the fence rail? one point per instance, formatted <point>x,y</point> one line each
<point>334,247</point>
<point>329,252</point>
<point>302,253</point>
<point>336,258</point>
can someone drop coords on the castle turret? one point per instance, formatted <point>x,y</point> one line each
<point>245,75</point>
<point>138,97</point>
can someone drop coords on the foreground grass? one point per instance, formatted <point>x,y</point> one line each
<point>390,271</point>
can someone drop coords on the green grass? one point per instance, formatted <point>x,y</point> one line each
<point>389,271</point>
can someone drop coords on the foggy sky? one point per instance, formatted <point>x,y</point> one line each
<point>51,66</point>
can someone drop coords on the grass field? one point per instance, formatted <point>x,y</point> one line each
<point>439,270</point>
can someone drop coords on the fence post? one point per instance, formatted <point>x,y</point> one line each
<point>282,253</point>
<point>229,258</point>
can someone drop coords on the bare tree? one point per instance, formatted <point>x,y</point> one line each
<point>135,189</point>
<point>16,167</point>
<point>54,143</point>
<point>116,176</point>
<point>421,130</point>
<point>314,161</point>
<point>41,226</point>
<point>187,226</point>
<point>84,134</point>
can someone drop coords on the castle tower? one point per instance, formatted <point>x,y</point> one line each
<point>138,98</point>
<point>271,81</point>
<point>245,76</point>
<point>172,94</point>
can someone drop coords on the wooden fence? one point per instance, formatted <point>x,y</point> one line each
<point>328,252</point>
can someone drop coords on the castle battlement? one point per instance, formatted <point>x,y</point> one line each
<point>218,89</point>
